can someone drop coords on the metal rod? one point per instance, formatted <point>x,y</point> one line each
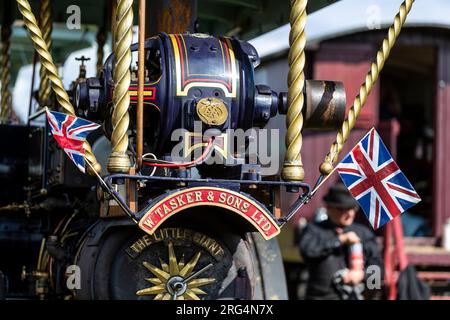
<point>303,198</point>
<point>33,75</point>
<point>113,194</point>
<point>193,276</point>
<point>305,187</point>
<point>322,180</point>
<point>36,114</point>
<point>140,93</point>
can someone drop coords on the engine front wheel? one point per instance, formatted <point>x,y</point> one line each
<point>173,263</point>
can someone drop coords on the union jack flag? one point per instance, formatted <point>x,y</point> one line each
<point>375,181</point>
<point>70,132</point>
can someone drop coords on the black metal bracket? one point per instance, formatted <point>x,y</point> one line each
<point>303,198</point>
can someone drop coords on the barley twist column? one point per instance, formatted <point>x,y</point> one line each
<point>5,73</point>
<point>382,55</point>
<point>45,23</point>
<point>293,166</point>
<point>52,73</point>
<point>119,160</point>
<point>101,40</point>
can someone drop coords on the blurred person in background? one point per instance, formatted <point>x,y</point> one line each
<point>337,251</point>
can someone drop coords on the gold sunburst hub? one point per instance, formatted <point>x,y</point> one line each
<point>175,280</point>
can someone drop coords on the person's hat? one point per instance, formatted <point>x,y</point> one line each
<point>339,197</point>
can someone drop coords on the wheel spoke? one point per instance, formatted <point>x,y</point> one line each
<point>159,296</point>
<point>181,262</point>
<point>152,290</point>
<point>155,281</point>
<point>176,278</point>
<point>173,264</point>
<point>190,265</point>
<point>190,295</point>
<point>200,282</point>
<point>160,274</point>
<point>164,265</point>
<point>198,291</point>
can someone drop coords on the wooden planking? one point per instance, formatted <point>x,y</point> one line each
<point>441,174</point>
<point>350,63</point>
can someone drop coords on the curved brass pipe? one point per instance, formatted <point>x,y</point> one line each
<point>5,74</point>
<point>52,73</point>
<point>293,166</point>
<point>382,55</point>
<point>45,23</point>
<point>119,160</point>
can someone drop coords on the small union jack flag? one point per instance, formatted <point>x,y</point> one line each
<point>70,132</point>
<point>375,180</point>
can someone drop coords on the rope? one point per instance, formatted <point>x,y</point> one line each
<point>382,55</point>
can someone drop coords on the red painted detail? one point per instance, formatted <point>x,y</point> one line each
<point>236,202</point>
<point>373,180</point>
<point>377,212</point>
<point>185,80</point>
<point>441,171</point>
<point>436,275</point>
<point>395,258</point>
<point>148,96</point>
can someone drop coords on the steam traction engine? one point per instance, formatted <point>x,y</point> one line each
<point>184,210</point>
<point>204,222</point>
<point>207,216</point>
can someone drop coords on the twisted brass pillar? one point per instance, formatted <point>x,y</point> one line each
<point>119,160</point>
<point>45,23</point>
<point>5,73</point>
<point>382,55</point>
<point>293,166</point>
<point>101,40</point>
<point>52,73</point>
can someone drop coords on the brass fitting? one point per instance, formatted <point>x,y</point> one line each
<point>5,74</point>
<point>382,55</point>
<point>101,40</point>
<point>119,160</point>
<point>293,166</point>
<point>45,23</point>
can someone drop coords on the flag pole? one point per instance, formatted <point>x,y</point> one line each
<point>111,192</point>
<point>304,199</point>
<point>322,179</point>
